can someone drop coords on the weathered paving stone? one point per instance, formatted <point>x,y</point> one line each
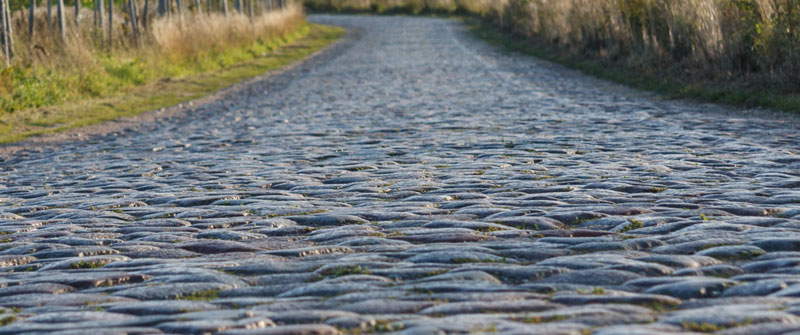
<point>170,291</point>
<point>84,262</point>
<point>410,180</point>
<point>733,252</point>
<point>14,260</point>
<point>216,246</point>
<point>454,257</point>
<point>693,288</point>
<point>727,316</point>
<point>327,220</point>
<point>35,288</point>
<point>314,329</point>
<point>592,277</point>
<point>88,278</point>
<point>602,298</point>
<point>65,299</point>
<point>476,307</point>
<point>779,244</point>
<point>160,307</point>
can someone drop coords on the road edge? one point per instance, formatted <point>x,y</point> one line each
<point>131,123</point>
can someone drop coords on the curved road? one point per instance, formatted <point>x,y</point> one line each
<point>413,180</point>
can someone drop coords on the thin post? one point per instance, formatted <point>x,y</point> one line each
<point>49,13</point>
<point>198,10</point>
<point>110,22</point>
<point>250,9</point>
<point>61,21</point>
<point>144,14</point>
<point>99,8</point>
<point>134,28</point>
<point>9,32</point>
<point>77,11</point>
<point>31,18</point>
<point>225,7</point>
<point>138,17</point>
<point>161,7</point>
<point>3,34</point>
<point>100,20</point>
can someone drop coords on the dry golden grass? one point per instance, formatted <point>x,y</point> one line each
<point>170,35</point>
<point>214,33</point>
<point>49,70</point>
<point>289,48</point>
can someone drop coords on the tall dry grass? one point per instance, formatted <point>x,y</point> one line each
<point>750,43</point>
<point>48,69</point>
<point>195,35</point>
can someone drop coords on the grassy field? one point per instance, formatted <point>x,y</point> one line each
<point>189,79</point>
<point>741,52</point>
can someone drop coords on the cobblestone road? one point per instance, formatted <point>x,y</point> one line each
<point>411,180</point>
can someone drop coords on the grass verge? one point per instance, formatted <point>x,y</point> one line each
<point>255,59</point>
<point>665,86</point>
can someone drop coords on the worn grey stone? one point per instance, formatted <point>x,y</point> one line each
<point>409,180</point>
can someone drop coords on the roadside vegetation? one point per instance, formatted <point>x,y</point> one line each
<point>74,71</point>
<point>743,52</point>
<point>83,59</point>
<point>194,80</point>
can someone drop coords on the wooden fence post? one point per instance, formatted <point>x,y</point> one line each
<point>110,23</point>
<point>144,14</point>
<point>31,18</point>
<point>49,13</point>
<point>138,17</point>
<point>61,21</point>
<point>9,32</point>
<point>134,27</point>
<point>4,42</point>
<point>100,19</point>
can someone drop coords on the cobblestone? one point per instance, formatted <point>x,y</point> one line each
<point>411,180</point>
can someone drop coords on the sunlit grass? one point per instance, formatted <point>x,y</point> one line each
<point>48,70</point>
<point>198,77</point>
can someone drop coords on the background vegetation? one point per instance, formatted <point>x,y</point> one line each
<point>248,62</point>
<point>90,61</point>
<point>734,51</point>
